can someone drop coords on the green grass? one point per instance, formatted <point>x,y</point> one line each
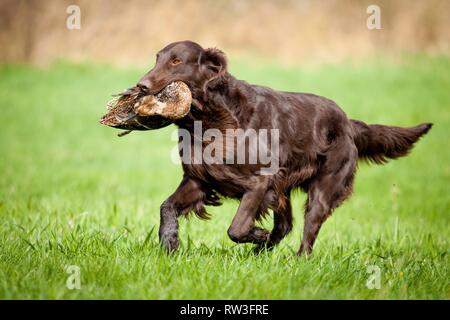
<point>73,193</point>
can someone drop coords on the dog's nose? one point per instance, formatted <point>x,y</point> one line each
<point>144,85</point>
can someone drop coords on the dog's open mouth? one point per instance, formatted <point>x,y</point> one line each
<point>135,110</point>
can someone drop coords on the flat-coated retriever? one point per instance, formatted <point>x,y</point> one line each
<point>318,149</point>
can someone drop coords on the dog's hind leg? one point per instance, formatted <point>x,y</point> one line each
<point>282,223</point>
<point>326,192</point>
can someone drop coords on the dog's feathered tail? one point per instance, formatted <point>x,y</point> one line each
<point>378,143</point>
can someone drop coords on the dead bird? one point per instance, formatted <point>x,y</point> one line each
<point>133,109</point>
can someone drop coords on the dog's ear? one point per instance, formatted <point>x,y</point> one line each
<point>213,62</point>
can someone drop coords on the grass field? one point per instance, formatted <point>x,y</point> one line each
<point>73,193</point>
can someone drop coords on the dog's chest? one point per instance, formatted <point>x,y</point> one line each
<point>229,180</point>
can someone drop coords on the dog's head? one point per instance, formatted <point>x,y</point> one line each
<point>184,61</point>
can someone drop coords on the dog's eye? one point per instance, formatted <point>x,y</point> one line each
<point>175,61</point>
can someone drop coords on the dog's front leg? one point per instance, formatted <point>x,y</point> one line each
<point>187,196</point>
<point>243,228</point>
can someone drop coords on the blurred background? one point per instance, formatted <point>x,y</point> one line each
<point>290,31</point>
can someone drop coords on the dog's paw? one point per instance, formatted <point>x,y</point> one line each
<point>170,242</point>
<point>260,236</point>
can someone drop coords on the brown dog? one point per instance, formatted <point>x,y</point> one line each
<point>318,148</point>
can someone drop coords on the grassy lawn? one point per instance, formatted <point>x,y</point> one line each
<point>73,193</point>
